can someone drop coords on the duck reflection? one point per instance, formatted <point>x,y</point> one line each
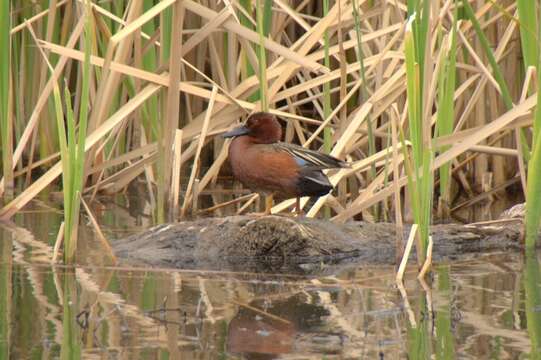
<point>283,327</point>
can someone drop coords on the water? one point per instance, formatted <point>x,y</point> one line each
<point>484,309</point>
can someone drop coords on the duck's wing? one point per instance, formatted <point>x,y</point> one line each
<point>310,158</point>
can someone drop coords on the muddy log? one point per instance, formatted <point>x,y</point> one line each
<point>279,243</point>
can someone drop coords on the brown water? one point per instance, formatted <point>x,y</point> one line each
<point>485,309</point>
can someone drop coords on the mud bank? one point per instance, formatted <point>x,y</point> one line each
<point>278,243</point>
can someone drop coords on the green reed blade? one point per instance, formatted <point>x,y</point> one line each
<point>71,338</point>
<point>150,61</point>
<point>498,75</point>
<point>445,339</point>
<point>6,124</point>
<point>532,302</point>
<point>364,93</point>
<point>70,239</point>
<point>445,117</point>
<point>528,26</point>
<point>166,25</point>
<point>247,69</point>
<point>66,173</point>
<point>533,187</point>
<point>262,57</point>
<point>72,147</point>
<point>528,23</point>
<point>418,335</point>
<point>6,292</point>
<point>327,134</point>
<point>83,110</point>
<point>420,176</point>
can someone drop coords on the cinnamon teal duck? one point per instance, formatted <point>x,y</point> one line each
<point>264,164</point>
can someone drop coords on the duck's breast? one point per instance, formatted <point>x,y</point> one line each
<point>262,168</point>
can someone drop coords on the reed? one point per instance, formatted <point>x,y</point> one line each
<point>530,32</point>
<point>420,176</point>
<point>71,341</point>
<point>364,93</point>
<point>533,191</point>
<point>532,301</point>
<point>327,132</point>
<point>6,293</point>
<point>528,38</point>
<point>445,339</point>
<point>445,116</point>
<point>6,121</point>
<point>246,20</point>
<point>498,74</point>
<point>418,333</point>
<point>261,13</point>
<point>72,146</point>
<point>348,69</point>
<point>163,127</point>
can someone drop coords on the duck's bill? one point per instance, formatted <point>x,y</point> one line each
<point>238,131</point>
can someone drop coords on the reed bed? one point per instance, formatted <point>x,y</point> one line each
<point>432,102</point>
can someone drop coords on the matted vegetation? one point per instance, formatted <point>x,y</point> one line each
<point>445,103</point>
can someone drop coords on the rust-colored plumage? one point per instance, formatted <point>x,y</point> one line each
<point>265,165</point>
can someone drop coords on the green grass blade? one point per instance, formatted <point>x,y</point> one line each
<point>327,134</point>
<point>5,116</point>
<point>498,75</point>
<point>70,217</point>
<point>364,94</point>
<point>445,118</point>
<point>528,26</point>
<point>262,57</point>
<point>533,187</point>
<point>247,68</point>
<point>533,191</point>
<point>83,110</point>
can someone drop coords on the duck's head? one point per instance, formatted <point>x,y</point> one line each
<point>261,127</point>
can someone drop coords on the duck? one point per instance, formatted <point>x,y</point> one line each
<point>266,165</point>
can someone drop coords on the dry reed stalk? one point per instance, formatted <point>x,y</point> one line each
<point>224,204</point>
<point>42,100</point>
<point>406,254</point>
<point>58,243</point>
<point>99,233</point>
<point>175,179</point>
<point>396,176</point>
<point>165,145</point>
<point>428,261</point>
<point>37,186</point>
<point>295,50</point>
<point>188,196</point>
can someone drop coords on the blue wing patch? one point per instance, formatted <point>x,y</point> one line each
<point>300,161</point>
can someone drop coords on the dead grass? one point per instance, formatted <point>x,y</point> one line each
<point>140,98</point>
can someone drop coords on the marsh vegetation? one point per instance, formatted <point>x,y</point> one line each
<point>432,103</point>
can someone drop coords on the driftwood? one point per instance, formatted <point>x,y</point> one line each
<point>279,243</point>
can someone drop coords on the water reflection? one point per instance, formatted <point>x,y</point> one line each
<point>483,309</point>
<point>5,296</point>
<point>71,320</point>
<point>445,317</point>
<point>532,295</point>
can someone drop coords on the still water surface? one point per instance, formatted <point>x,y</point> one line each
<point>489,308</point>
